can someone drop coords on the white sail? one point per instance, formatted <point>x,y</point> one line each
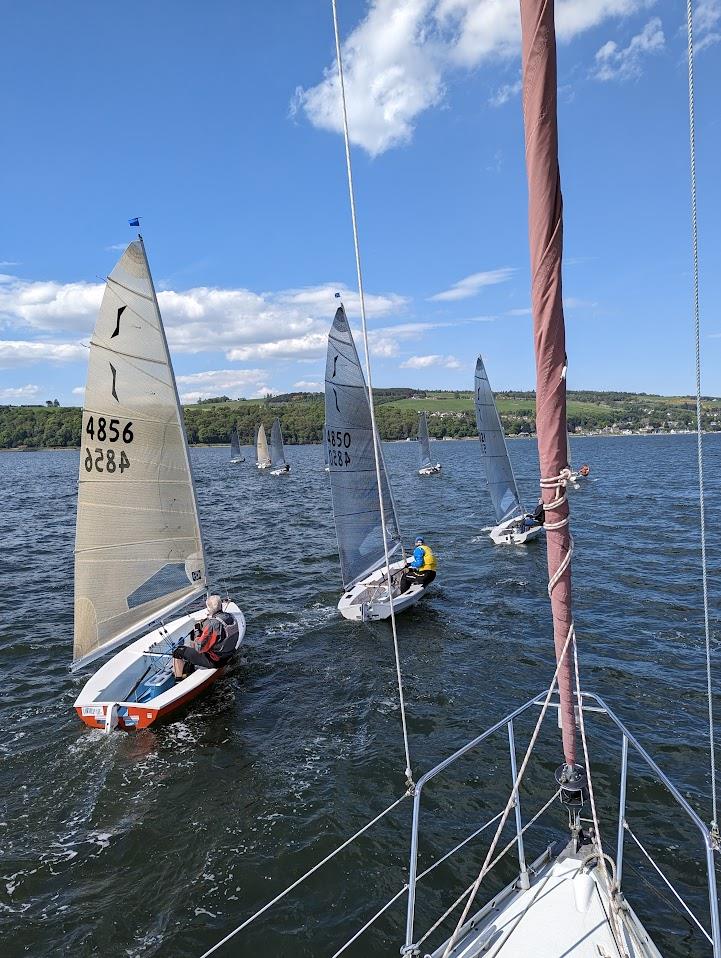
<point>234,444</point>
<point>277,453</point>
<point>499,474</point>
<point>138,547</point>
<point>353,483</point>
<point>424,441</point>
<point>261,446</point>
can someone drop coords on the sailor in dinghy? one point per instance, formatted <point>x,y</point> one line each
<point>427,467</point>
<point>354,490</point>
<point>139,555</point>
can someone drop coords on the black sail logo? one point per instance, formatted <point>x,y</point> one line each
<point>121,310</point>
<point>114,371</point>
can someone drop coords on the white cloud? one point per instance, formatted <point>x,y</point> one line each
<point>526,311</point>
<point>309,386</point>
<point>471,285</point>
<point>19,392</point>
<point>423,362</point>
<point>49,305</point>
<point>625,63</point>
<point>79,391</point>
<point>310,344</point>
<point>116,248</point>
<point>505,93</point>
<point>8,262</point>
<point>397,58</point>
<point>707,25</point>
<point>15,352</point>
<point>222,382</point>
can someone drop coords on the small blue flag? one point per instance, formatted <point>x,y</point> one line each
<point>134,222</point>
<point>337,295</point>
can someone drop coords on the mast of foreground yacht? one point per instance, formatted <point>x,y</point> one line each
<point>545,236</point>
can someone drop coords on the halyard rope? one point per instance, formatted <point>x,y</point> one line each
<point>699,440</point>
<point>376,441</point>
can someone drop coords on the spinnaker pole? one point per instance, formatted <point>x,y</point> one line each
<point>545,234</point>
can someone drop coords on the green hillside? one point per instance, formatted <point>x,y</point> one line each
<point>449,414</point>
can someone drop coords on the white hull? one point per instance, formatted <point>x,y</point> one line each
<point>430,470</point>
<point>109,699</point>
<point>563,913</point>
<point>283,471</point>
<point>263,465</point>
<point>368,600</point>
<point>234,462</point>
<point>510,533</point>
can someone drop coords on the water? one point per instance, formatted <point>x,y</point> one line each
<point>159,843</point>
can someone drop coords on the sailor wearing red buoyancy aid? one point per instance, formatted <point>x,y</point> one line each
<point>215,644</point>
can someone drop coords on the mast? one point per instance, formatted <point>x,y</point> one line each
<point>545,235</point>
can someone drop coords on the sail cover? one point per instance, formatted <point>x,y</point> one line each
<point>261,446</point>
<point>499,474</point>
<point>423,440</point>
<point>138,547</point>
<point>277,456</point>
<point>234,444</point>
<point>353,483</point>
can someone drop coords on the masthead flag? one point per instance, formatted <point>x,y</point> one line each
<point>134,222</point>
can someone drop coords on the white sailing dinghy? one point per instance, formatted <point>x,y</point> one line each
<point>577,476</point>
<point>139,556</point>
<point>235,453</point>
<point>511,526</point>
<point>261,449</point>
<point>354,489</point>
<point>277,453</point>
<point>427,467</point>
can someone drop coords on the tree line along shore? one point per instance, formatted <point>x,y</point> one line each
<point>450,415</point>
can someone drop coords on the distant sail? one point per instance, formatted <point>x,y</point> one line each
<point>349,438</point>
<point>499,474</point>
<point>234,444</point>
<point>277,454</point>
<point>423,440</point>
<point>261,446</point>
<point>138,547</point>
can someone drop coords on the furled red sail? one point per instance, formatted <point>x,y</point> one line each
<point>545,233</point>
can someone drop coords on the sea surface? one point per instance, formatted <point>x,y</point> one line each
<point>159,843</point>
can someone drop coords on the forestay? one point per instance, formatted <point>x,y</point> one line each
<point>138,547</point>
<point>234,444</point>
<point>499,474</point>
<point>277,455</point>
<point>261,445</point>
<point>349,439</point>
<point>423,440</point>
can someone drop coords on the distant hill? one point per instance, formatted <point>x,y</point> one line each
<point>450,414</point>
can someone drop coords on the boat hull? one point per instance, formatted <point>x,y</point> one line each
<point>263,465</point>
<point>368,600</point>
<point>508,533</point>
<point>283,471</point>
<point>106,700</point>
<point>430,470</point>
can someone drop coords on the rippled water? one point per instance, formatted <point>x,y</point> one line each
<point>159,843</point>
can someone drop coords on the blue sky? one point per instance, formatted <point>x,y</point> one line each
<point>218,124</point>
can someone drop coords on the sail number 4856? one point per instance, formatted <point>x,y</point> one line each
<point>107,430</point>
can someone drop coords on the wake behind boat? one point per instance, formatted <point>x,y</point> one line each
<point>354,490</point>
<point>513,526</point>
<point>427,468</point>
<point>139,555</point>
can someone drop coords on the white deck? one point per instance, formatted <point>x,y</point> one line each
<point>564,914</point>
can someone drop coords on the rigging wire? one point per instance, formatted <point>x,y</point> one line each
<point>699,439</point>
<point>376,451</point>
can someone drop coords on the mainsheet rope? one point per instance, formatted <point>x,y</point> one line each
<point>699,440</point>
<point>376,451</point>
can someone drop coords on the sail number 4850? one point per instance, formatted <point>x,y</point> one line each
<point>107,430</point>
<point>338,445</point>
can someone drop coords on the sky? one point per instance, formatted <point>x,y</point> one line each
<point>219,125</point>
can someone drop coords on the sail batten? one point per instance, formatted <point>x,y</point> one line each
<point>138,545</point>
<point>349,441</point>
<point>494,452</point>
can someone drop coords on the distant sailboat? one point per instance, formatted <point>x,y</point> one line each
<point>427,468</point>
<point>511,527</point>
<point>139,555</point>
<point>235,455</point>
<point>354,489</point>
<point>577,475</point>
<point>261,447</point>
<point>277,452</point>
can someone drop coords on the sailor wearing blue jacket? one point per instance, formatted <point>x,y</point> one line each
<point>421,566</point>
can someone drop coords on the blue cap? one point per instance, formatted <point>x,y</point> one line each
<point>419,541</point>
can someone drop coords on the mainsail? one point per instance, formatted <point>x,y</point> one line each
<point>277,455</point>
<point>494,453</point>
<point>353,483</point>
<point>423,440</point>
<point>261,446</point>
<point>234,444</point>
<point>138,547</point>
